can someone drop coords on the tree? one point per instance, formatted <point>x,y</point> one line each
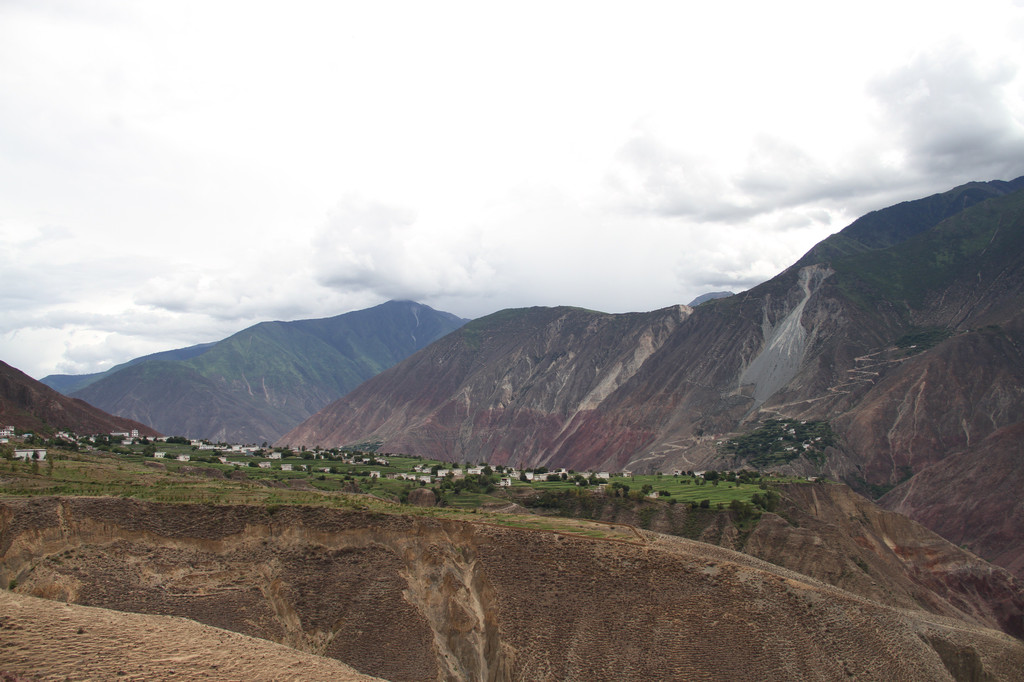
<point>742,510</point>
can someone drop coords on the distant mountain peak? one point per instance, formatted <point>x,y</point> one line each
<point>710,296</point>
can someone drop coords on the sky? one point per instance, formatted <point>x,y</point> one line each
<point>173,172</point>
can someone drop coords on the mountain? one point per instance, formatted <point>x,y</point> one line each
<point>710,296</point>
<point>254,385</point>
<point>32,406</point>
<point>69,383</point>
<point>504,387</point>
<point>899,338</point>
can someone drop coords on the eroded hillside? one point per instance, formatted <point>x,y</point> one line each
<point>412,598</point>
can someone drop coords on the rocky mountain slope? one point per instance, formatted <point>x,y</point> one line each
<point>258,383</point>
<point>832,534</point>
<point>903,332</point>
<point>419,597</point>
<point>503,387</point>
<point>31,406</point>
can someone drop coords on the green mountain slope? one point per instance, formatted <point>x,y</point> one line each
<point>69,383</point>
<point>254,385</point>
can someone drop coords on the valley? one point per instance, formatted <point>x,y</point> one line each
<point>816,478</point>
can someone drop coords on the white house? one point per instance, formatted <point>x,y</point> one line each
<point>184,458</point>
<point>263,465</point>
<point>286,467</point>
<point>30,455</point>
<point>274,455</point>
<point>159,455</point>
<point>475,471</point>
<point>374,474</point>
<point>505,482</point>
<point>7,431</point>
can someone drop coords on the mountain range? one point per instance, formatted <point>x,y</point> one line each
<point>900,337</point>
<point>254,385</point>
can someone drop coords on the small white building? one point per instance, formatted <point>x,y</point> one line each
<point>374,474</point>
<point>274,455</point>
<point>286,467</point>
<point>30,455</point>
<point>264,465</point>
<point>159,455</point>
<point>184,458</point>
<point>7,431</point>
<point>505,482</point>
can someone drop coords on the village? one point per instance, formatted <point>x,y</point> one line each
<point>390,475</point>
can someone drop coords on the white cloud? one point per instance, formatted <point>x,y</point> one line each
<point>368,246</point>
<point>950,112</point>
<point>172,172</point>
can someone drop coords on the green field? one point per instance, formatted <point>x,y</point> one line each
<point>132,471</point>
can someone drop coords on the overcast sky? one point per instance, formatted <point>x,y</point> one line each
<point>173,172</point>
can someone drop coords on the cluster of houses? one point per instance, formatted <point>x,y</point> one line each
<point>425,473</point>
<point>24,454</point>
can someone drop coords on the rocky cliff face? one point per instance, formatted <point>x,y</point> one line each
<point>426,598</point>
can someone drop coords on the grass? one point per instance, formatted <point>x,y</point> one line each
<point>130,474</point>
<point>112,475</point>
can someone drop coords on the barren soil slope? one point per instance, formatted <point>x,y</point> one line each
<point>412,598</point>
<point>48,640</point>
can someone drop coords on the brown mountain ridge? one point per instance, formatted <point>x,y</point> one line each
<point>903,332</point>
<point>31,406</point>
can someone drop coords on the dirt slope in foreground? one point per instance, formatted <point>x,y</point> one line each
<point>48,640</point>
<point>414,598</point>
